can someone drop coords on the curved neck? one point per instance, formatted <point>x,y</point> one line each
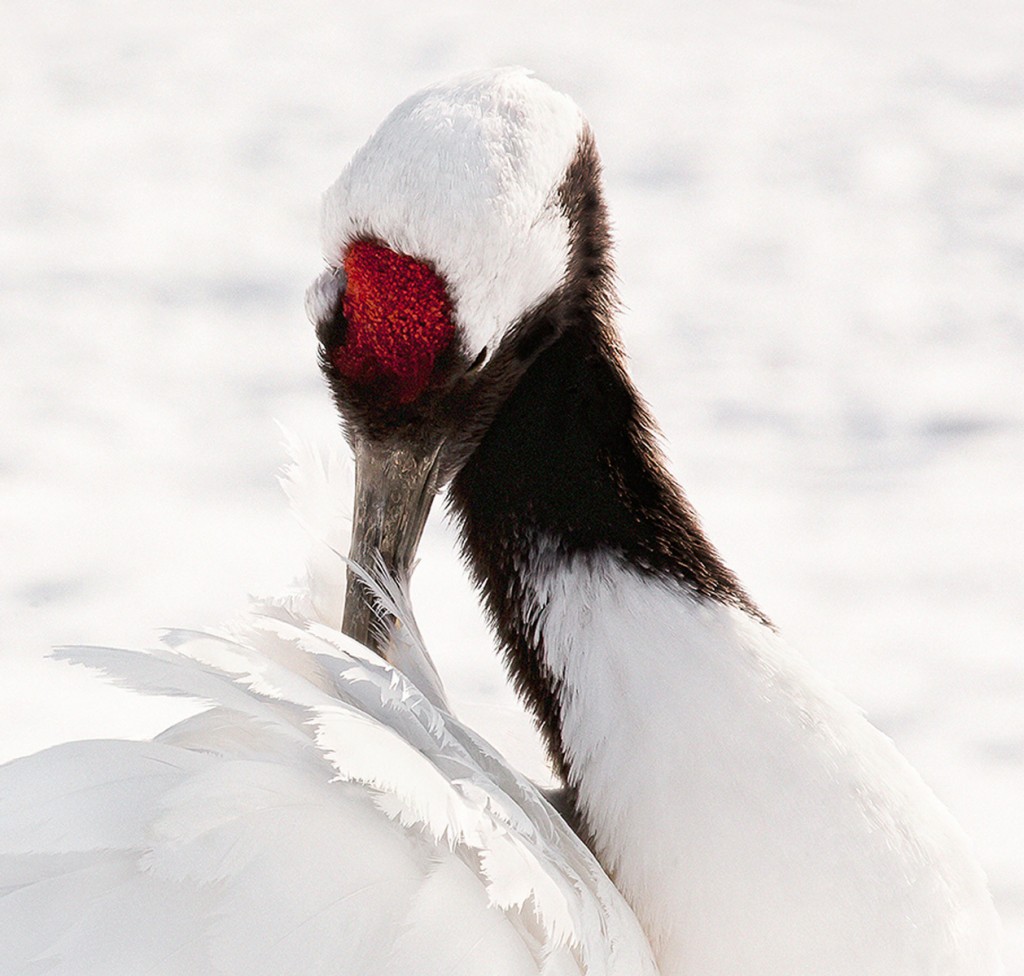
<point>569,470</point>
<point>748,814</point>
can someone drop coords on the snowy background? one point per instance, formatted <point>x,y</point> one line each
<point>820,219</point>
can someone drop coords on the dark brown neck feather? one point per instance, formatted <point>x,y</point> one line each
<point>570,460</point>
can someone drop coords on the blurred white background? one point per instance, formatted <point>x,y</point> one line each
<point>820,218</point>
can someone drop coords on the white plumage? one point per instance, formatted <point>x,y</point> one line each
<point>321,816</point>
<point>482,204</point>
<point>751,815</point>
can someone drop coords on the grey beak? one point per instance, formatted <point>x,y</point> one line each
<point>395,487</point>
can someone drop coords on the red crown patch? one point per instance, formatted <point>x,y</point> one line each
<point>399,319</point>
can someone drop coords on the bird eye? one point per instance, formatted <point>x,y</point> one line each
<point>323,297</point>
<point>478,362</point>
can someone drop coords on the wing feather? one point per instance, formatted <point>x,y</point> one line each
<point>321,815</point>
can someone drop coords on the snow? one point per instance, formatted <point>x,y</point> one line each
<point>820,220</point>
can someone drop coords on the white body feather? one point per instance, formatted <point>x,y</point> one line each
<point>753,818</point>
<point>321,817</point>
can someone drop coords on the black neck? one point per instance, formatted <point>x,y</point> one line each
<point>570,461</point>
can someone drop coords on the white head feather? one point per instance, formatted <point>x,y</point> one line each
<point>464,176</point>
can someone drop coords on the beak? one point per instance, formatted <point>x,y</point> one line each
<point>395,487</point>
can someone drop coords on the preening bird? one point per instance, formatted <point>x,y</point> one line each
<point>325,813</point>
<point>328,815</point>
<point>751,816</point>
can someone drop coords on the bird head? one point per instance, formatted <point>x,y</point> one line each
<point>457,248</point>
